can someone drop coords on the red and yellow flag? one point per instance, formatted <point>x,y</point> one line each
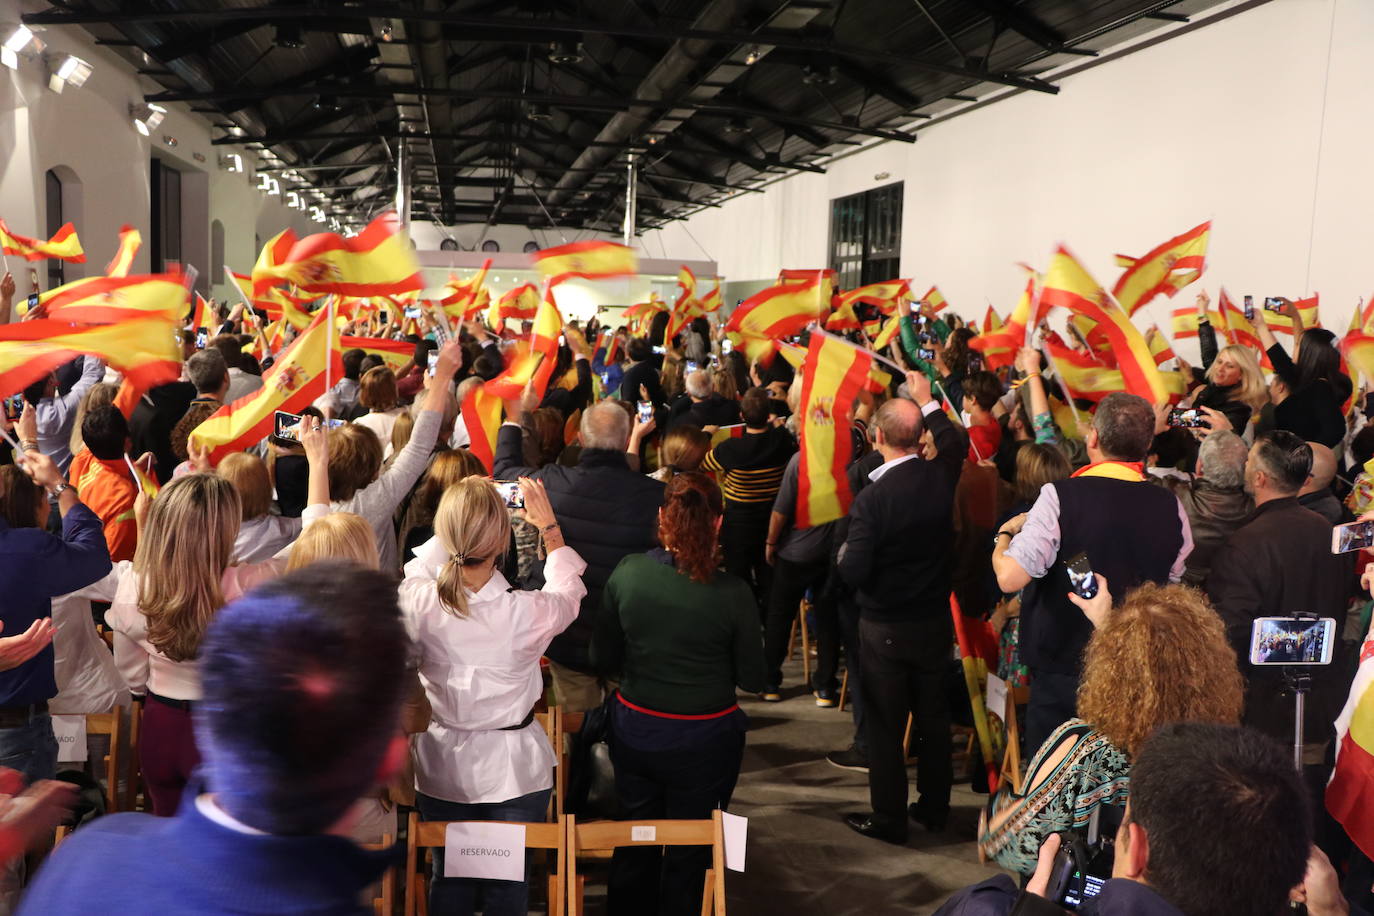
<point>296,379</point>
<point>395,353</point>
<point>589,260</point>
<point>242,283</point>
<point>142,348</point>
<point>1026,314</point>
<point>639,316</point>
<point>1159,346</point>
<point>1239,329</point>
<point>1092,337</point>
<point>481,412</point>
<point>130,240</point>
<point>520,303</point>
<point>107,300</point>
<point>686,307</point>
<point>1082,375</point>
<point>377,261</point>
<point>780,311</point>
<point>833,375</point>
<point>1166,269</point>
<point>1070,286</point>
<point>64,246</point>
<point>1358,350</point>
<point>935,298</point>
<point>993,343</point>
<point>1308,311</point>
<point>1185,322</point>
<point>1350,793</point>
<point>1362,319</point>
<point>278,303</point>
<point>711,301</point>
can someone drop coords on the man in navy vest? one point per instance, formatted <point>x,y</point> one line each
<point>1131,531</point>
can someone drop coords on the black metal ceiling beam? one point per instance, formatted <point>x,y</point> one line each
<point>1022,22</point>
<point>656,176</point>
<point>473,25</point>
<point>592,103</point>
<point>731,153</point>
<point>196,44</point>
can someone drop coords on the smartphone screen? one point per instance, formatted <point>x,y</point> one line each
<point>381,315</point>
<point>646,411</point>
<point>14,406</point>
<point>433,361</point>
<point>1273,303</point>
<point>1187,418</point>
<point>659,351</point>
<point>1249,308</point>
<point>202,337</point>
<point>1292,641</point>
<point>33,300</point>
<point>726,346</point>
<point>510,493</point>
<point>1081,576</point>
<point>692,365</point>
<point>1354,536</point>
<point>926,353</point>
<point>286,427</point>
<point>412,311</point>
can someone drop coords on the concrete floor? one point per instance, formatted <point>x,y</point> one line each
<point>801,857</point>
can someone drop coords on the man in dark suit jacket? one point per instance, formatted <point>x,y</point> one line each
<point>607,512</point>
<point>896,557</point>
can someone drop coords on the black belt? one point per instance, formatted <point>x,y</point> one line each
<point>529,717</point>
<point>184,705</point>
<point>15,716</point>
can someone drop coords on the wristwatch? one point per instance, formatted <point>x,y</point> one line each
<point>60,489</point>
<point>998,535</point>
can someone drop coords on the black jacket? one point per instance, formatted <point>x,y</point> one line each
<point>896,553</point>
<point>643,373</point>
<point>998,896</point>
<point>607,512</point>
<point>154,417</point>
<point>1213,513</point>
<point>714,411</point>
<point>1312,411</point>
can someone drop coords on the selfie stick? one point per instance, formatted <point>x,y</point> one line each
<point>1300,682</point>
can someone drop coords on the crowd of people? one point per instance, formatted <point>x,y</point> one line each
<point>320,631</point>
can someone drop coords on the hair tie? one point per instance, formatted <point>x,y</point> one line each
<point>458,558</point>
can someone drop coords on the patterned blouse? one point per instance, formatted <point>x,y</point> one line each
<point>1055,796</point>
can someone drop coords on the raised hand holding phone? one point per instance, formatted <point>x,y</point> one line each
<point>1098,606</point>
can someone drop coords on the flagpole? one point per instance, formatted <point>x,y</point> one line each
<point>1063,388</point>
<point>328,344</point>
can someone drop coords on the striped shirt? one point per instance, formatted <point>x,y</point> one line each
<point>750,468</point>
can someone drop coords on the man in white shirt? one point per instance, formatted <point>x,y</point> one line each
<point>57,414</point>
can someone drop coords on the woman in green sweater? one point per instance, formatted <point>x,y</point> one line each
<point>679,636</point>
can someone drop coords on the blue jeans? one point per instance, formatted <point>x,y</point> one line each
<point>31,749</point>
<point>460,896</point>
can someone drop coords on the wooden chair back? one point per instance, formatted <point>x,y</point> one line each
<point>431,834</point>
<point>552,722</point>
<point>112,724</point>
<point>134,783</point>
<point>1017,697</point>
<point>605,836</point>
<point>385,905</point>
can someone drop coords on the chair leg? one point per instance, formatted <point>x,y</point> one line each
<point>844,688</point>
<point>806,643</point>
<point>906,739</point>
<point>792,642</point>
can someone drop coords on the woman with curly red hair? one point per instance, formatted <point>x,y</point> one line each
<point>679,636</point>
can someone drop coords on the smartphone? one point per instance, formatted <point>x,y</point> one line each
<point>286,427</point>
<point>562,340</point>
<point>646,411</point>
<point>1292,640</point>
<point>33,301</point>
<point>1354,536</point>
<point>382,316</point>
<point>975,362</point>
<point>1081,576</point>
<point>1187,418</point>
<point>1249,308</point>
<point>14,406</point>
<point>659,351</point>
<point>510,493</point>
<point>726,346</point>
<point>1272,303</point>
<point>412,311</point>
<point>926,353</point>
<point>202,338</point>
<point>433,361</point>
<point>693,365</point>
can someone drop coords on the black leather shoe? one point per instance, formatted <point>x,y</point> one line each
<point>928,816</point>
<point>867,825</point>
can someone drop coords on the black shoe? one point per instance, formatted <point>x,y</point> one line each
<point>771,694</point>
<point>928,816</point>
<point>867,825</point>
<point>848,759</point>
<point>826,698</point>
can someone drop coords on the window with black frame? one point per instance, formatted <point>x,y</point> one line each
<point>866,236</point>
<point>57,268</point>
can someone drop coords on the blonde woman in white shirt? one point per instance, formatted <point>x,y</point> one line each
<point>478,644</point>
<point>162,601</point>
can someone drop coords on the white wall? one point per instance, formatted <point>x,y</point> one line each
<point>1237,122</point>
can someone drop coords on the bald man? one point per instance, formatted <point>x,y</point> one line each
<point>897,557</point>
<point>1316,494</point>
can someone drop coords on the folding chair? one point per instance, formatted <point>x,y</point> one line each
<point>62,832</point>
<point>799,625</point>
<point>385,905</point>
<point>111,724</point>
<point>552,722</point>
<point>135,769</point>
<point>607,836</point>
<point>430,835</point>
<point>1017,697</point>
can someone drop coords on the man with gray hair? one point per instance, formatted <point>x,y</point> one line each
<point>1215,499</point>
<point>701,405</point>
<point>607,512</point>
<point>1129,530</point>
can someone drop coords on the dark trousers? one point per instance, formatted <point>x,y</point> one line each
<point>1053,701</point>
<point>790,582</point>
<point>905,668</point>
<point>460,896</point>
<point>742,536</point>
<point>167,754</point>
<point>853,662</point>
<point>685,783</point>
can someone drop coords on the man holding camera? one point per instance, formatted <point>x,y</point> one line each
<point>1217,824</point>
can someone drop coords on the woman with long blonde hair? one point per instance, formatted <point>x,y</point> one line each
<point>479,642</point>
<point>1234,384</point>
<point>162,601</point>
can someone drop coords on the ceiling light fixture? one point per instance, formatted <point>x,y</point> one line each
<point>386,30</point>
<point>288,35</point>
<point>737,126</point>
<point>537,112</point>
<point>71,70</point>
<point>752,57</point>
<point>147,116</point>
<point>231,162</point>
<point>565,52</point>
<point>18,41</point>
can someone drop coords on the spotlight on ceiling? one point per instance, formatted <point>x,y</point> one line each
<point>565,52</point>
<point>737,126</point>
<point>536,112</point>
<point>295,200</point>
<point>231,162</point>
<point>18,41</point>
<point>386,31</point>
<point>70,71</point>
<point>326,103</point>
<point>147,116</point>
<point>752,57</point>
<point>817,75</point>
<point>289,35</point>
<point>317,214</point>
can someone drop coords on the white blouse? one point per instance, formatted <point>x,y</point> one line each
<point>481,674</point>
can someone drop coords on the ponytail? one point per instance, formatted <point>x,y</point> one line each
<point>687,526</point>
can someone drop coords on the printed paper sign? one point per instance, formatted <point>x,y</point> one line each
<point>70,732</point>
<point>736,833</point>
<point>997,696</point>
<point>473,849</point>
<point>643,834</point>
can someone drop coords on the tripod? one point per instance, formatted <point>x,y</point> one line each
<point>1300,682</point>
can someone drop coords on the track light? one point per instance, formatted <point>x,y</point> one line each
<point>737,126</point>
<point>268,185</point>
<point>752,57</point>
<point>565,52</point>
<point>326,103</point>
<point>71,70</point>
<point>19,41</point>
<point>537,112</point>
<point>386,31</point>
<point>317,214</point>
<point>293,199</point>
<point>147,116</point>
<point>288,35</point>
<point>231,162</point>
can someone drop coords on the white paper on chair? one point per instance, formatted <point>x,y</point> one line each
<point>643,834</point>
<point>997,696</point>
<point>736,830</point>
<point>473,849</point>
<point>70,732</point>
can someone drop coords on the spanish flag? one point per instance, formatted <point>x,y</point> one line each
<point>686,307</point>
<point>834,374</point>
<point>1092,337</point>
<point>203,317</point>
<point>1362,319</point>
<point>935,298</point>
<point>242,284</point>
<point>589,260</point>
<point>130,240</point>
<point>1083,376</point>
<point>465,291</point>
<point>886,333</point>
<point>64,246</point>
<point>1159,346</point>
<point>1069,285</point>
<point>1238,327</point>
<point>108,300</point>
<point>277,303</point>
<point>481,413</point>
<point>993,343</point>
<point>780,311</point>
<point>296,379</point>
<point>1358,350</point>
<point>143,348</point>
<point>520,303</point>
<point>535,360</point>
<point>711,301</point>
<point>1350,793</point>
<point>884,295</point>
<point>641,314</point>
<point>395,353</point>
<point>1308,311</point>
<point>1185,322</point>
<point>1166,269</point>
<point>377,261</point>
<point>1027,314</point>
